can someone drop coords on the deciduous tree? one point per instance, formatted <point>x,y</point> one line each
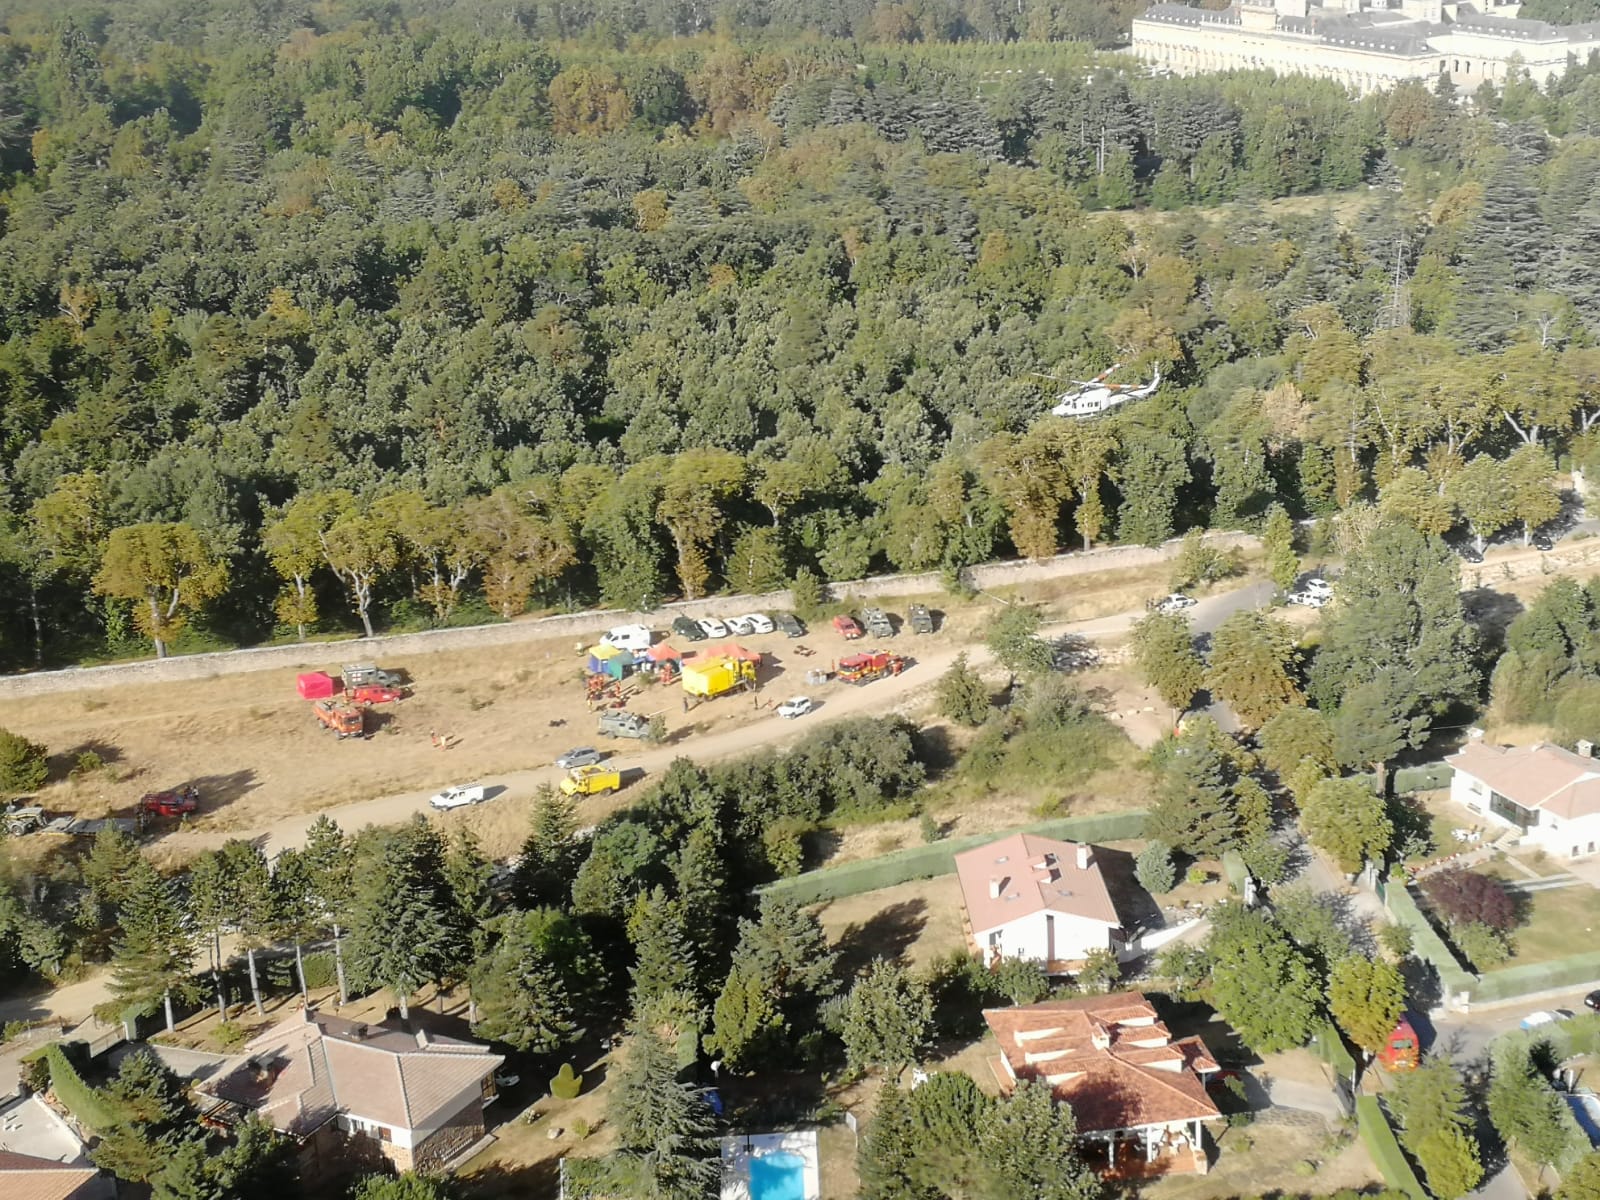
<point>166,571</point>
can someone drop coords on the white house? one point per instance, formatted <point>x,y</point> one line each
<point>1037,898</point>
<point>1550,794</point>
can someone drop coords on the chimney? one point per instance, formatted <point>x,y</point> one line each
<point>994,889</point>
<point>1083,857</point>
<point>359,1033</point>
<point>1585,748</point>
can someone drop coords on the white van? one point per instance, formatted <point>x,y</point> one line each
<point>635,638</point>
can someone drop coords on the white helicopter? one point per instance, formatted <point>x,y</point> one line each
<point>1091,397</point>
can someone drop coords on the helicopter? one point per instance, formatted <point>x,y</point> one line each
<point>1091,397</point>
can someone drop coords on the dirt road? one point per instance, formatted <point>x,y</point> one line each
<point>835,702</point>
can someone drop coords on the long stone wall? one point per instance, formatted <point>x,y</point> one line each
<point>326,654</point>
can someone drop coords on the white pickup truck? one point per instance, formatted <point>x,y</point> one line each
<point>458,797</point>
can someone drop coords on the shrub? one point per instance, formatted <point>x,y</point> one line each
<point>229,1034</point>
<point>1154,868</point>
<point>567,1083</point>
<point>808,594</point>
<point>1396,938</point>
<point>22,763</point>
<point>1196,876</point>
<point>930,829</point>
<point>87,763</point>
<point>580,1128</point>
<point>1021,980</point>
<point>784,845</point>
<point>1483,946</point>
<point>658,730</point>
<point>1462,897</point>
<point>962,695</point>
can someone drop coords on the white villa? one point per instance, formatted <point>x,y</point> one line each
<point>1550,794</point>
<point>1037,898</point>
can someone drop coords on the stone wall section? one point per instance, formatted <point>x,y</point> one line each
<point>387,650</point>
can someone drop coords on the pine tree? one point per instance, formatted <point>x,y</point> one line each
<point>887,1155</point>
<point>745,1026</point>
<point>212,907</point>
<point>888,1017</point>
<point>520,996</point>
<point>662,1123</point>
<point>295,910</point>
<point>551,854</point>
<point>700,884</point>
<point>1197,797</point>
<point>155,1116</point>
<point>155,953</point>
<point>250,883</point>
<point>329,863</point>
<point>1028,1146</point>
<point>405,926</point>
<point>1277,537</point>
<point>666,959</point>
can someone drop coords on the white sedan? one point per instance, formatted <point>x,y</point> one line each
<point>712,627</point>
<point>759,622</point>
<point>458,797</point>
<point>1176,602</point>
<point>798,707</point>
<point>740,626</point>
<point>1544,1017</point>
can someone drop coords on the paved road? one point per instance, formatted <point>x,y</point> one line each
<point>1465,1036</point>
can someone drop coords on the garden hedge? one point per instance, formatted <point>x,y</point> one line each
<point>1377,1135</point>
<point>1426,942</point>
<point>927,862</point>
<point>1510,982</point>
<point>92,1110</point>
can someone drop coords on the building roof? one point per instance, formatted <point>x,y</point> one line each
<point>310,1068</point>
<point>1025,874</point>
<point>1109,1058</point>
<point>1543,777</point>
<point>23,1177</point>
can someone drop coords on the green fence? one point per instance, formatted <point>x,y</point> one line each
<point>1234,871</point>
<point>1429,777</point>
<point>926,862</point>
<point>1426,942</point>
<point>1330,1048</point>
<point>1511,982</point>
<point>1377,1135</point>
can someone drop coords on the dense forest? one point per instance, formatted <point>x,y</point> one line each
<point>358,314</point>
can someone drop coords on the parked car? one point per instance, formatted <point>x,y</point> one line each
<point>791,625</point>
<point>1544,1016</point>
<point>581,756</point>
<point>1543,541</point>
<point>506,1079</point>
<point>797,707</point>
<point>759,622</point>
<point>1308,599</point>
<point>616,723</point>
<point>684,627</point>
<point>1471,554</point>
<point>1592,1001</point>
<point>739,626</point>
<point>1318,587</point>
<point>458,797</point>
<point>846,628</point>
<point>921,619</point>
<point>1176,602</point>
<point>712,627</point>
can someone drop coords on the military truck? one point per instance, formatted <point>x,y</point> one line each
<point>364,674</point>
<point>921,619</point>
<point>877,622</point>
<point>616,723</point>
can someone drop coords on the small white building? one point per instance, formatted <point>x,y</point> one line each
<point>1550,794</point>
<point>1037,898</point>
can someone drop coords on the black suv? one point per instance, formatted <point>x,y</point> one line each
<point>790,624</point>
<point>684,627</point>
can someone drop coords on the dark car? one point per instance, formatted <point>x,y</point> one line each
<point>685,628</point>
<point>1472,554</point>
<point>1592,1001</point>
<point>581,756</point>
<point>790,624</point>
<point>1543,541</point>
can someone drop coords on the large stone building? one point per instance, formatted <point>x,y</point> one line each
<point>1359,44</point>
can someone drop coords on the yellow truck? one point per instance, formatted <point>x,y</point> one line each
<point>593,780</point>
<point>717,676</point>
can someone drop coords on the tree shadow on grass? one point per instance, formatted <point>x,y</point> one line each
<point>62,763</point>
<point>887,934</point>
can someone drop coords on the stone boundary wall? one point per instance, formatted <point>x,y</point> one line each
<point>326,654</point>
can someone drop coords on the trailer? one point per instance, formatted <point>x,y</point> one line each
<point>718,676</point>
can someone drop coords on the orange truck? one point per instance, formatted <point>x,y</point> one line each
<point>1401,1051</point>
<point>340,717</point>
<point>863,668</point>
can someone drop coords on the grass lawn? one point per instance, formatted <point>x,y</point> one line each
<point>1562,921</point>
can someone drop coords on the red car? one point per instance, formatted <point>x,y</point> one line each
<point>847,628</point>
<point>176,803</point>
<point>372,693</point>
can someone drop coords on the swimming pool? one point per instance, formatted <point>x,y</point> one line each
<point>1587,1110</point>
<point>771,1166</point>
<point>780,1176</point>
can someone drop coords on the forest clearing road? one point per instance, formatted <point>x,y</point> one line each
<point>835,702</point>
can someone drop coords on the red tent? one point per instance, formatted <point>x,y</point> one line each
<point>727,650</point>
<point>314,685</point>
<point>661,652</point>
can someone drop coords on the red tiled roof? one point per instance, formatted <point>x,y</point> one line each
<point>1109,1058</point>
<point>1032,874</point>
<point>24,1177</point>
<point>310,1068</point>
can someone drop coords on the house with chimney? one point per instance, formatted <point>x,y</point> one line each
<point>1138,1094</point>
<point>1037,898</point>
<point>415,1098</point>
<point>1550,795</point>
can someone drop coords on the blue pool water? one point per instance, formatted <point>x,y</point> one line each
<point>779,1176</point>
<point>1587,1110</point>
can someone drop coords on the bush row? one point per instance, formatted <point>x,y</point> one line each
<point>926,862</point>
<point>1511,982</point>
<point>1427,943</point>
